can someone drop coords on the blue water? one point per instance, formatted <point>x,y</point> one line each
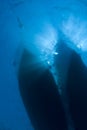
<point>30,24</point>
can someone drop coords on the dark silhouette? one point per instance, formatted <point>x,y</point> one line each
<point>77,91</point>
<point>40,96</point>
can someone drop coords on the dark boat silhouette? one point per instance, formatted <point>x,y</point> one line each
<point>42,99</point>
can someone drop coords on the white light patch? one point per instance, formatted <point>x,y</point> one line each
<point>80,46</point>
<point>75,30</point>
<point>48,62</point>
<point>55,53</point>
<point>46,41</point>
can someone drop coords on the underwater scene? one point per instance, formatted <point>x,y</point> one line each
<point>43,64</point>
